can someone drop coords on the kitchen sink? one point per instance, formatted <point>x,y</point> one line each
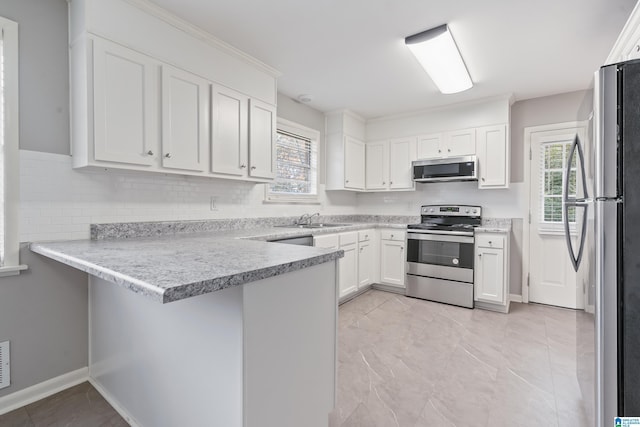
<point>314,225</point>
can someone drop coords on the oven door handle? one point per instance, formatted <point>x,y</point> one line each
<point>440,238</point>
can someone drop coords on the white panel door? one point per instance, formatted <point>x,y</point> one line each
<point>365,263</point>
<point>493,152</point>
<point>552,279</point>
<point>229,131</point>
<point>401,153</point>
<point>489,278</point>
<point>353,163</point>
<point>392,262</point>
<point>348,270</point>
<point>460,143</point>
<point>185,119</point>
<point>125,101</point>
<point>376,167</point>
<point>262,139</point>
<point>429,146</point>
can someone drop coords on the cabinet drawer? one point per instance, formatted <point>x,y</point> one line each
<point>490,240</point>
<point>349,238</point>
<point>326,241</point>
<point>392,235</point>
<point>365,235</point>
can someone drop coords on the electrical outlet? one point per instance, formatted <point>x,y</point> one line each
<point>213,204</point>
<point>5,364</point>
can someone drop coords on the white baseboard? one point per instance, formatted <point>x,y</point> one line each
<point>114,403</point>
<point>44,389</point>
<point>515,298</point>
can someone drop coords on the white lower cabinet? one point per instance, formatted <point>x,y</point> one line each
<point>392,257</point>
<point>491,272</point>
<point>348,265</point>
<point>356,268</point>
<point>366,248</point>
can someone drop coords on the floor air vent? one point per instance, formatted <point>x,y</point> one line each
<point>5,367</point>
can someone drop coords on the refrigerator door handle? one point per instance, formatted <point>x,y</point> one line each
<point>573,202</point>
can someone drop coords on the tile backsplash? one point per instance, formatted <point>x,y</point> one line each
<point>58,202</point>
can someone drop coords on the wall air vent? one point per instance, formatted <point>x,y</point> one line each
<point>5,365</point>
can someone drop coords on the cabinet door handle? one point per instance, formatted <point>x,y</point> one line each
<point>168,155</point>
<point>402,248</point>
<point>490,242</point>
<point>383,183</point>
<point>480,255</point>
<point>439,151</point>
<point>150,153</point>
<point>483,179</point>
<point>346,181</point>
<point>449,150</point>
<point>361,249</point>
<point>390,182</point>
<point>366,236</point>
<point>253,168</point>
<point>243,166</point>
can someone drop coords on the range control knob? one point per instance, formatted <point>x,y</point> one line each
<point>467,211</point>
<point>431,210</point>
<point>475,211</point>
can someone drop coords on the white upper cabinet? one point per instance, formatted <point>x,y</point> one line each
<point>229,131</point>
<point>262,131</point>
<point>402,152</point>
<point>376,166</point>
<point>493,157</point>
<point>388,164</point>
<point>185,119</point>
<point>125,105</point>
<point>354,169</point>
<point>429,146</point>
<point>345,151</point>
<point>460,143</point>
<point>155,95</point>
<point>447,144</point>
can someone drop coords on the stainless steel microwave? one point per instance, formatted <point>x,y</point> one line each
<point>464,168</point>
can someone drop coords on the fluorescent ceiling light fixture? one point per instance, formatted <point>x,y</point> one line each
<point>439,56</point>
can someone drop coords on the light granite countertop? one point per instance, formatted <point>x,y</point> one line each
<point>171,267</point>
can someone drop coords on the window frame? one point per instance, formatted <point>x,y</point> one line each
<point>314,136</point>
<point>554,227</point>
<point>11,263</point>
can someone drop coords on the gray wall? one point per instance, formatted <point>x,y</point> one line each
<point>564,107</point>
<point>44,73</point>
<point>44,314</point>
<point>43,311</point>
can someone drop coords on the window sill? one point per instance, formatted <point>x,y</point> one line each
<point>13,270</point>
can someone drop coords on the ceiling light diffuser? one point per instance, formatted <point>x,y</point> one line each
<point>438,54</point>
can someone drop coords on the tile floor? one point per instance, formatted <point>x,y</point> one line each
<point>79,406</point>
<point>414,363</point>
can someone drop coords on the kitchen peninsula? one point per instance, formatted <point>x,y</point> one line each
<point>207,328</point>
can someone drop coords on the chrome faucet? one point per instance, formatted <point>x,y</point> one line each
<point>307,219</point>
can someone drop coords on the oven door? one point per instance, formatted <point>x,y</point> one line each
<point>441,256</point>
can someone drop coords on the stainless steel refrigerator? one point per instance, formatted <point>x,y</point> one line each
<point>606,252</point>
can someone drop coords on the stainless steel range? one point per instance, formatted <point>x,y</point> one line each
<point>440,254</point>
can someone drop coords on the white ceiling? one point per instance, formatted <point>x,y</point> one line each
<point>351,54</point>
